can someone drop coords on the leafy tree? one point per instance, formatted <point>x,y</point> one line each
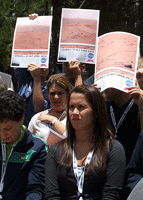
<point>9,11</point>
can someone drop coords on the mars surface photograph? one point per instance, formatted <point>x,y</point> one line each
<point>79,26</point>
<point>119,50</point>
<point>31,41</point>
<point>32,37</point>
<point>78,32</point>
<point>32,34</point>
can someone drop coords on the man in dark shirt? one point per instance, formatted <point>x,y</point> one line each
<point>124,118</point>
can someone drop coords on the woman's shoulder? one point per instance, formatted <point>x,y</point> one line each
<point>116,147</point>
<point>116,143</point>
<point>56,148</point>
<point>33,121</point>
<point>117,154</point>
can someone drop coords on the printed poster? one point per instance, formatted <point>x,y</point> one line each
<point>117,57</point>
<point>78,35</point>
<point>31,43</point>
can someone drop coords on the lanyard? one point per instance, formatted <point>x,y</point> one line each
<point>80,178</point>
<point>4,164</point>
<point>116,126</point>
<point>62,115</point>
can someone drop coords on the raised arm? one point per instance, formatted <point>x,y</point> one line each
<point>76,69</point>
<point>74,72</point>
<point>137,93</point>
<point>38,98</point>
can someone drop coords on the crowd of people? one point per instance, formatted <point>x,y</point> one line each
<point>95,150</point>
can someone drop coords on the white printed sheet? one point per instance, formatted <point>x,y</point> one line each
<point>31,43</point>
<point>78,35</point>
<point>117,56</point>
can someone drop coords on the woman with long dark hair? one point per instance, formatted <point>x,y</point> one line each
<point>89,163</point>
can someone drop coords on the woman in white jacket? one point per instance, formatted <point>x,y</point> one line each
<point>53,120</point>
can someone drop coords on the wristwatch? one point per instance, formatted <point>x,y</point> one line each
<point>53,122</point>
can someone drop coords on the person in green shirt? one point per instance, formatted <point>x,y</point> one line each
<point>22,155</point>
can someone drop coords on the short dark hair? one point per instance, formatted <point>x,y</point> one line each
<point>12,106</point>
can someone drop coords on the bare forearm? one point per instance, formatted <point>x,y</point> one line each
<point>59,127</point>
<point>38,99</point>
<point>78,81</point>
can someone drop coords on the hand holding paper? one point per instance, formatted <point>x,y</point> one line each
<point>75,68</point>
<point>33,16</point>
<point>34,70</point>
<point>96,86</point>
<point>137,94</point>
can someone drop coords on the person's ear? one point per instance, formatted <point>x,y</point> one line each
<point>83,68</point>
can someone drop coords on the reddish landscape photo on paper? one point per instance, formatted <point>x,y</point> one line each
<point>79,30</point>
<point>117,49</point>
<point>32,37</point>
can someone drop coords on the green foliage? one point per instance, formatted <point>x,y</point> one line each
<point>9,11</point>
<point>6,33</point>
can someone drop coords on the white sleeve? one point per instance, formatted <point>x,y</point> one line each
<point>32,123</point>
<point>64,121</point>
<point>65,134</point>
